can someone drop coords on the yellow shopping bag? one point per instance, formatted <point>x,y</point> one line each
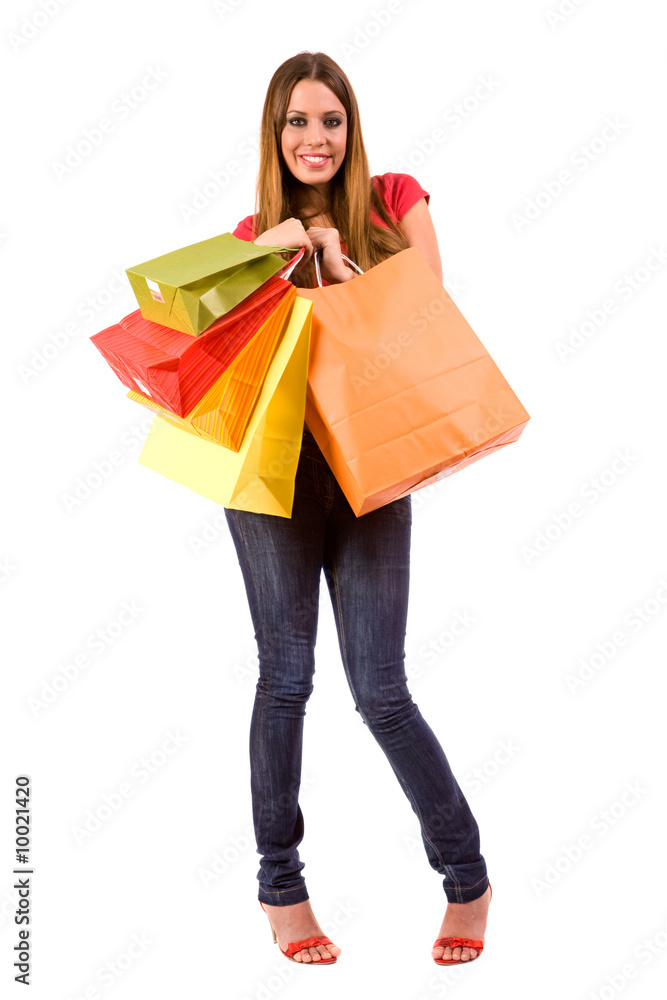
<point>260,476</point>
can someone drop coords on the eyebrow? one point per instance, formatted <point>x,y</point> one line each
<point>325,113</point>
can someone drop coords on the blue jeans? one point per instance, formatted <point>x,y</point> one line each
<point>366,563</point>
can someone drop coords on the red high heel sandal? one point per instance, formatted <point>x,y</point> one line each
<point>295,946</point>
<point>458,942</point>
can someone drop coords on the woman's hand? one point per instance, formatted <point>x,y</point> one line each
<point>333,267</point>
<point>291,233</point>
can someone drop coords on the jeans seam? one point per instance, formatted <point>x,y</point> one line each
<point>237,523</point>
<point>343,638</point>
<point>294,888</point>
<point>417,812</point>
<point>457,885</point>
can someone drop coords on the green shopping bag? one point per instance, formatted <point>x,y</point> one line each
<point>189,289</point>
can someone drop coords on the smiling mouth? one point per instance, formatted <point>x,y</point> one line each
<point>313,159</point>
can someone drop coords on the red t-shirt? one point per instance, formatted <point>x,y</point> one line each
<point>399,192</point>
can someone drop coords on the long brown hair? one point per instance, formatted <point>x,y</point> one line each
<point>351,194</point>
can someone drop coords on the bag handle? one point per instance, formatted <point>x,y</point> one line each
<point>285,271</point>
<point>317,266</point>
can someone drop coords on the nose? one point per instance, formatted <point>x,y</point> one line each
<point>313,135</point>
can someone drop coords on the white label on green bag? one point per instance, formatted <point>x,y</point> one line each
<point>154,289</point>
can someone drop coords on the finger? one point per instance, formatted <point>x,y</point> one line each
<point>310,249</point>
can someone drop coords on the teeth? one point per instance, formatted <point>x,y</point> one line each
<point>315,159</point>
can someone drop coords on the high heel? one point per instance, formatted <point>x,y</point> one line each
<point>295,946</point>
<point>457,942</point>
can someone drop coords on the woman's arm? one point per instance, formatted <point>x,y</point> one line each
<point>418,229</point>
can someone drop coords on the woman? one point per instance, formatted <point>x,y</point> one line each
<point>314,190</point>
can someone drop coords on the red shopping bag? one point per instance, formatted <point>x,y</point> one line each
<point>174,369</point>
<point>223,413</point>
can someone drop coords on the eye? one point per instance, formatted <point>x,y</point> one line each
<point>335,121</point>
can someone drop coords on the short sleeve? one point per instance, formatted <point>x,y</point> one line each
<point>245,230</point>
<point>400,193</point>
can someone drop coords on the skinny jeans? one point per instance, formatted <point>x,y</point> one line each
<point>366,565</point>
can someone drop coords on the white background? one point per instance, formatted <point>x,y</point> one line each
<point>555,764</point>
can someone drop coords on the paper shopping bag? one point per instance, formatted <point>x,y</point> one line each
<point>175,370</point>
<point>190,288</point>
<point>401,391</point>
<point>260,476</point>
<point>223,413</point>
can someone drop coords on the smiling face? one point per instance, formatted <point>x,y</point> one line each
<point>314,135</point>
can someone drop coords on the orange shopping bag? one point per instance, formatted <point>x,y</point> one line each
<point>222,414</point>
<point>401,391</point>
